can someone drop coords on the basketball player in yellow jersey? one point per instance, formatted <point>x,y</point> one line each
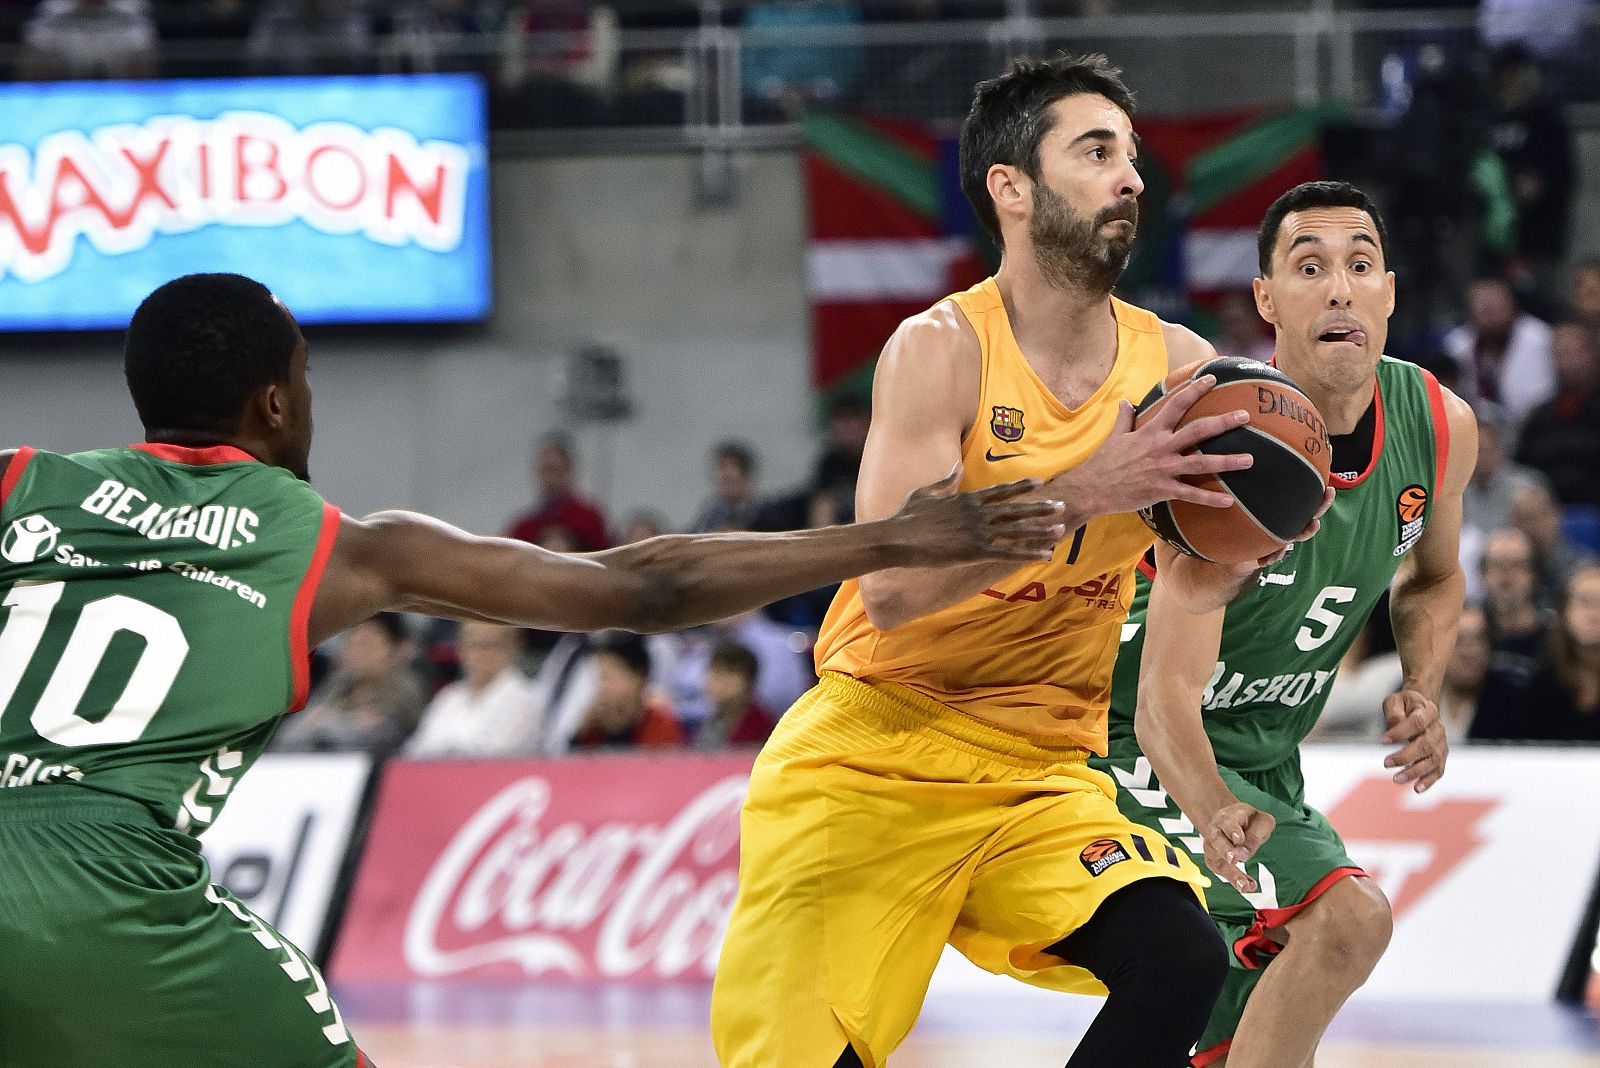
<point>933,786</point>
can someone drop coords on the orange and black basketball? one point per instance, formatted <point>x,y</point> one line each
<point>1275,498</point>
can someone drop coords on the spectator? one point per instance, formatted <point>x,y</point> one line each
<point>784,673</point>
<point>1464,675</point>
<point>1531,136</point>
<point>737,718</point>
<point>490,712</point>
<point>1562,436</point>
<point>1547,28</point>
<point>1486,502</point>
<point>89,39</point>
<point>1562,700</point>
<point>371,701</point>
<point>1585,296</point>
<point>559,504</point>
<point>1242,331</point>
<point>733,504</point>
<point>833,486</point>
<point>558,56</point>
<point>622,714</point>
<point>309,37</point>
<point>1514,620</point>
<point>1504,355</point>
<point>1537,514</point>
<point>642,526</point>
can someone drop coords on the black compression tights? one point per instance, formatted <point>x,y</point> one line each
<point>1159,954</point>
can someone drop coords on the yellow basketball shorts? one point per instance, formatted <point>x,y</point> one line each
<point>881,825</point>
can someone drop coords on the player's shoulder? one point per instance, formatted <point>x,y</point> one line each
<point>1184,346</point>
<point>933,345</point>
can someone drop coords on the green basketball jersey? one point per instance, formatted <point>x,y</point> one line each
<point>1283,638</point>
<point>153,609</point>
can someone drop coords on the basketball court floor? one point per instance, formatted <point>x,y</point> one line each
<point>566,1026</point>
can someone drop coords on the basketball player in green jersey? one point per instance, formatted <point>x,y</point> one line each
<point>1247,683</point>
<point>157,605</point>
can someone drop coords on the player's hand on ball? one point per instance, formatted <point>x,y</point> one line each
<point>1232,837</point>
<point>1005,522</point>
<point>1414,725</point>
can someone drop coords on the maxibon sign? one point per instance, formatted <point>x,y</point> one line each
<point>383,175</point>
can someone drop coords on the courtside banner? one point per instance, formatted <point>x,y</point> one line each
<point>1488,872</point>
<point>356,199</point>
<point>588,868</point>
<point>280,843</point>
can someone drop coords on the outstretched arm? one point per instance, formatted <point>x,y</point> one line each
<point>401,560</point>
<point>1180,652</point>
<point>1425,609</point>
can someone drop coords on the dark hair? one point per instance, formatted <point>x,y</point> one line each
<point>738,452</point>
<point>393,625</point>
<point>1561,648</point>
<point>628,648</point>
<point>1010,116</point>
<point>1315,195</point>
<point>731,656</point>
<point>200,346</point>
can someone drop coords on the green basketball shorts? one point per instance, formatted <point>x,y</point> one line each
<point>118,950</point>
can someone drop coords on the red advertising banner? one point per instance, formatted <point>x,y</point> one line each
<point>610,868</point>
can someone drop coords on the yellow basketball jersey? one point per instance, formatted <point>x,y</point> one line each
<point>1032,654</point>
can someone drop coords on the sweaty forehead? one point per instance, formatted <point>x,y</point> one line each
<point>1331,227</point>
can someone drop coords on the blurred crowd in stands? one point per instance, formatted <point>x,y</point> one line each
<point>428,688</point>
<point>1474,160</point>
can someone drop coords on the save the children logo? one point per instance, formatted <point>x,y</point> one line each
<point>119,186</point>
<point>33,537</point>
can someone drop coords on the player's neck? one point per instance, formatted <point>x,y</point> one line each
<point>1341,409</point>
<point>204,439</point>
<point>1051,320</point>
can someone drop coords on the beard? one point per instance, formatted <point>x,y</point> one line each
<point>1070,250</point>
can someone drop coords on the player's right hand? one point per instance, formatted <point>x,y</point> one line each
<point>1137,467</point>
<point>1232,837</point>
<point>1005,522</point>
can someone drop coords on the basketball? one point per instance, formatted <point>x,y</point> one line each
<point>1275,498</point>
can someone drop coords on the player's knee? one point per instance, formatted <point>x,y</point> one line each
<point>1182,951</point>
<point>1349,927</point>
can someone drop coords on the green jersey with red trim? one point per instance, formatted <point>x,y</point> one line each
<point>1283,638</point>
<point>153,610</point>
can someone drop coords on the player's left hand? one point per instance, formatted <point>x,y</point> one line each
<point>1414,721</point>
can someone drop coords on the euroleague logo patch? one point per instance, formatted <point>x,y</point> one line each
<point>1101,853</point>
<point>1410,510</point>
<point>1006,423</point>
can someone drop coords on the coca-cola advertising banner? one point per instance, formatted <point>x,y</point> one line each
<point>356,199</point>
<point>587,868</point>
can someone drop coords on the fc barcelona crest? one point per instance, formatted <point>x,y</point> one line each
<point>1007,423</point>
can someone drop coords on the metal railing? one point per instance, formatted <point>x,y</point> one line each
<point>717,87</point>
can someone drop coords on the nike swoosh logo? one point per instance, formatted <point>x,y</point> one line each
<point>991,457</point>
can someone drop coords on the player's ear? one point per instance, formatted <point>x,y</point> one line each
<point>271,402</point>
<point>1388,285</point>
<point>1008,188</point>
<point>1263,294</point>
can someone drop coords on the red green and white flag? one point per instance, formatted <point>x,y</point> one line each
<point>890,232</point>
